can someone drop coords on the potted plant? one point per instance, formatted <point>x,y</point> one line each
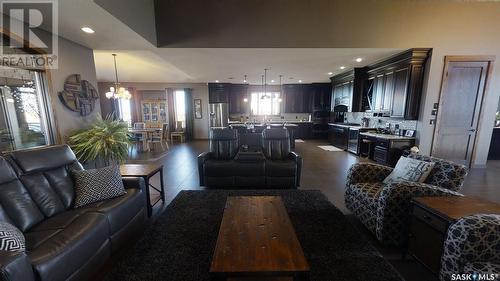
<point>104,143</point>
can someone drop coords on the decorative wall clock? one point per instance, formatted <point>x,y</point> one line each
<point>78,95</point>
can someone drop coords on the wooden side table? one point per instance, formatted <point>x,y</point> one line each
<point>431,218</point>
<point>146,171</point>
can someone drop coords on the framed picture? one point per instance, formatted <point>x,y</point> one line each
<point>197,109</point>
<point>410,133</point>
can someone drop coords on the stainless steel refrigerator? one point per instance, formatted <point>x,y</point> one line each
<point>219,114</point>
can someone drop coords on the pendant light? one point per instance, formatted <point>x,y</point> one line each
<point>281,90</point>
<point>117,92</point>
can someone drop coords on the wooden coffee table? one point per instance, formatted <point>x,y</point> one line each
<point>256,240</point>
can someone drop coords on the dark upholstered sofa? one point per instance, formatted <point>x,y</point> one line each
<point>62,243</point>
<point>232,163</point>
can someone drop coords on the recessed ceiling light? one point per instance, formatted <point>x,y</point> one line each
<point>300,81</point>
<point>216,81</point>
<point>272,81</point>
<point>342,67</point>
<point>87,29</point>
<point>330,73</point>
<point>359,59</point>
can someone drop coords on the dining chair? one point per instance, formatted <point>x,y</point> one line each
<point>156,137</point>
<point>166,134</point>
<point>139,125</point>
<point>179,132</point>
<point>140,137</point>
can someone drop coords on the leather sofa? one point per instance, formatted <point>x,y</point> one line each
<point>269,164</point>
<point>62,243</point>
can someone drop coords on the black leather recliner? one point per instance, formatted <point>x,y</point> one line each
<point>283,166</point>
<point>218,168</point>
<point>62,243</point>
<point>223,167</point>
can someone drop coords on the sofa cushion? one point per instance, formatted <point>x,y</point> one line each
<point>224,143</point>
<point>72,245</point>
<point>276,143</point>
<point>46,198</point>
<point>42,159</point>
<point>409,169</point>
<point>97,184</point>
<point>445,174</point>
<point>19,206</point>
<point>281,168</point>
<point>11,238</point>
<point>220,168</point>
<point>45,173</point>
<point>120,210</point>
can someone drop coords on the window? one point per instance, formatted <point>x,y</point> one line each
<point>265,104</point>
<point>180,108</point>
<point>24,117</point>
<point>125,112</point>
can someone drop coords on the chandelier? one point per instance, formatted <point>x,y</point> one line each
<point>117,92</point>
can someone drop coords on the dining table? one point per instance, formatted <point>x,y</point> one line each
<point>145,132</point>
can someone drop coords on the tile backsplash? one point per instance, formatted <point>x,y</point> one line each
<point>379,122</point>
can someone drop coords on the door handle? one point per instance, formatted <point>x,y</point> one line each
<point>472,130</point>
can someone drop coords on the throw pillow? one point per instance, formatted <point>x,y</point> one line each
<point>97,184</point>
<point>11,238</point>
<point>408,169</point>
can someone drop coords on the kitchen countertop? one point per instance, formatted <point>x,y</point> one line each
<point>385,136</point>
<point>349,126</point>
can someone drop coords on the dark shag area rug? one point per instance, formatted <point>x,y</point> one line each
<point>180,244</point>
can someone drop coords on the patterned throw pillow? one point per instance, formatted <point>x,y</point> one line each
<point>408,169</point>
<point>97,184</point>
<point>11,238</point>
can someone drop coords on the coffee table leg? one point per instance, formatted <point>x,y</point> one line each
<point>162,185</point>
<point>148,199</point>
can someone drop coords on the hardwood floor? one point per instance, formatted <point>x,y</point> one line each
<point>325,171</point>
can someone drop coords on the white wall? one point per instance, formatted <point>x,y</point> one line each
<point>200,91</point>
<point>73,59</point>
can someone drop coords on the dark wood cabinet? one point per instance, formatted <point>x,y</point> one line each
<point>321,94</point>
<point>349,90</point>
<point>398,105</point>
<point>237,96</point>
<point>296,99</point>
<point>338,136</point>
<point>219,92</point>
<point>396,84</point>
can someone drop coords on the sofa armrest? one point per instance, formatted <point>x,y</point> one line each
<point>298,160</point>
<point>15,266</point>
<point>474,238</point>
<point>202,158</point>
<point>367,173</point>
<point>394,208</point>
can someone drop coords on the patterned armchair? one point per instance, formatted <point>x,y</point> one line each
<point>385,208</point>
<point>472,246</point>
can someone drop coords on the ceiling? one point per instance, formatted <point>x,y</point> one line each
<point>140,61</point>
